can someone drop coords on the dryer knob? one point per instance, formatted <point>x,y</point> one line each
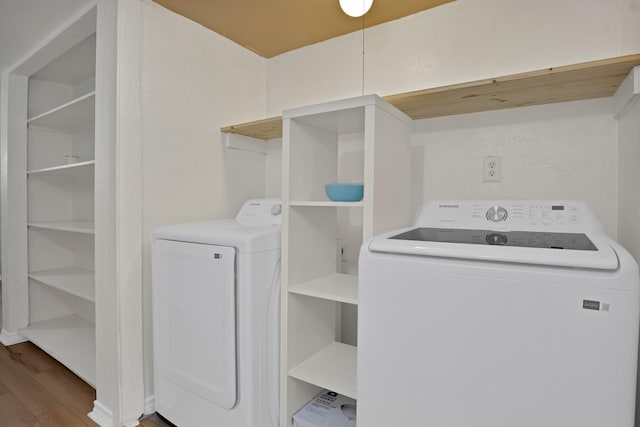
<point>496,214</point>
<point>276,209</point>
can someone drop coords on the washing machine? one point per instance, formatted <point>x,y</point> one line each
<point>216,319</point>
<point>497,314</point>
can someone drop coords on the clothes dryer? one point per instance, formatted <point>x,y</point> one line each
<point>216,319</point>
<point>497,314</point>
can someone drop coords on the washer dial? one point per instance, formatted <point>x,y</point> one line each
<point>497,214</point>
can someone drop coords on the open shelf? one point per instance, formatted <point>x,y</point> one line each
<point>66,167</point>
<point>333,368</point>
<point>261,129</point>
<point>72,226</point>
<point>74,115</point>
<point>71,340</point>
<point>334,287</point>
<point>72,280</point>
<point>594,79</point>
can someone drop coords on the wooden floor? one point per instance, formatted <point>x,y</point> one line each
<point>37,391</point>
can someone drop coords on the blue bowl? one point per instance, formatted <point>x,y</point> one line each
<point>344,192</point>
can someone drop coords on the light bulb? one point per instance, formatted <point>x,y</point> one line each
<point>355,8</point>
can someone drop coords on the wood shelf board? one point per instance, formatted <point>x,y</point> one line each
<point>74,115</point>
<point>71,340</point>
<point>66,167</point>
<point>333,368</point>
<point>72,280</point>
<point>595,79</point>
<point>335,287</point>
<point>261,129</point>
<point>71,226</point>
<point>588,80</point>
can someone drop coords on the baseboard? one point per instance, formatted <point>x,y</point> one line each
<point>150,405</point>
<point>11,338</point>
<point>101,415</point>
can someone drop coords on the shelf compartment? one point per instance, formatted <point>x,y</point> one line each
<point>334,287</point>
<point>74,115</point>
<point>85,227</point>
<point>333,368</point>
<point>71,340</point>
<point>72,280</point>
<point>66,167</point>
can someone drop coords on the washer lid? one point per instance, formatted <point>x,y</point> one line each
<point>577,250</point>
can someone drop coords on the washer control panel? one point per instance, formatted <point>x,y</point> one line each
<point>552,215</point>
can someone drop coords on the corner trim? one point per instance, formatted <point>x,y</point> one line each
<point>101,415</point>
<point>11,338</point>
<point>150,405</point>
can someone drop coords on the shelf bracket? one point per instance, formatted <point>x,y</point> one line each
<point>244,143</point>
<point>628,93</point>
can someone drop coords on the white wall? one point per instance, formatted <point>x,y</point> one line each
<point>557,151</point>
<point>567,151</point>
<point>461,41</point>
<point>629,178</point>
<point>194,82</point>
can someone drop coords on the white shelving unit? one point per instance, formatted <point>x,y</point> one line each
<point>60,200</point>
<point>364,140</point>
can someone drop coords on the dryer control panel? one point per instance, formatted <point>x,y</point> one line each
<point>260,212</point>
<point>550,215</point>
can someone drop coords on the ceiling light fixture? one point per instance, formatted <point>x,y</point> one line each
<point>355,8</point>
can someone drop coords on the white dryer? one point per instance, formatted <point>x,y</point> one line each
<point>497,314</point>
<point>216,319</point>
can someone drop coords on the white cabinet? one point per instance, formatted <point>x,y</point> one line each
<point>362,140</point>
<point>60,141</point>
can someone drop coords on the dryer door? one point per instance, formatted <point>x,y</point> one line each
<point>194,318</point>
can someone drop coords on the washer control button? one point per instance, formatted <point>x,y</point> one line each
<point>496,214</point>
<point>496,239</point>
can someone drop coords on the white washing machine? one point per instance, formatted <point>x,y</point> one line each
<point>216,315</point>
<point>497,314</point>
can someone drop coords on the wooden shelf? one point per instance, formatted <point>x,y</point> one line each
<point>594,79</point>
<point>71,340</point>
<point>335,287</point>
<point>72,226</point>
<point>261,129</point>
<point>68,167</point>
<point>74,115</point>
<point>333,368</point>
<point>328,204</point>
<point>72,280</point>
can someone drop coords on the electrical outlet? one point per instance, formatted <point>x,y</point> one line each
<point>492,170</point>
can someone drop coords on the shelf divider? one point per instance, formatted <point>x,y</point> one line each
<point>334,287</point>
<point>85,227</point>
<point>72,280</point>
<point>78,113</point>
<point>333,368</point>
<point>70,166</point>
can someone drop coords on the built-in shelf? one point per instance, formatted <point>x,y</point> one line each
<point>71,340</point>
<point>85,227</point>
<point>594,79</point>
<point>74,115</point>
<point>335,287</point>
<point>327,204</point>
<point>333,368</point>
<point>72,280</point>
<point>66,167</point>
